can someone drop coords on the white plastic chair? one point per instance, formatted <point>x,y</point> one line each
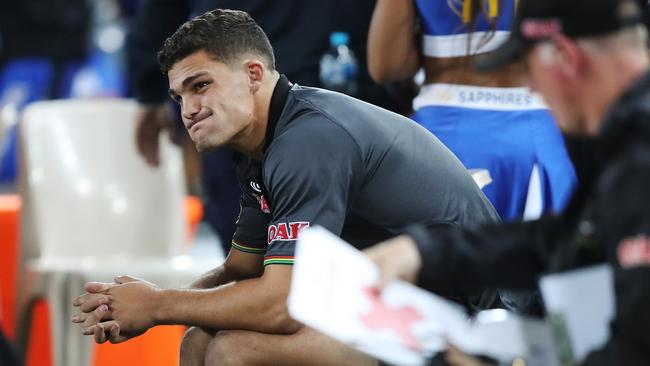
<point>92,209</point>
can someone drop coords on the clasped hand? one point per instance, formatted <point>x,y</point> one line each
<point>118,311</point>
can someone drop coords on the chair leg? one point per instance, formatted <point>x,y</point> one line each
<point>48,287</point>
<point>79,348</point>
<point>60,322</point>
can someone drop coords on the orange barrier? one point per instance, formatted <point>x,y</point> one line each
<point>160,346</point>
<point>39,346</point>
<point>193,214</point>
<point>9,227</point>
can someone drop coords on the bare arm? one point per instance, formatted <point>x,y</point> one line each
<point>238,266</point>
<point>134,303</point>
<point>392,52</point>
<point>257,304</point>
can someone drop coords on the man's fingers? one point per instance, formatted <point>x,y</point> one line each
<point>126,279</point>
<point>384,280</point>
<point>456,357</point>
<point>97,287</point>
<point>147,142</point>
<point>114,336</point>
<point>151,151</point>
<point>83,298</point>
<point>146,135</point>
<point>99,334</point>
<point>80,299</point>
<point>386,271</point>
<point>93,302</point>
<point>94,317</point>
<point>91,294</point>
<point>108,331</point>
<point>397,259</point>
<point>79,318</point>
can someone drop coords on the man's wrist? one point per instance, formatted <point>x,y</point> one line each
<point>164,307</point>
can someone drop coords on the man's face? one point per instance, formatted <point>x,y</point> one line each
<point>216,100</point>
<point>546,77</point>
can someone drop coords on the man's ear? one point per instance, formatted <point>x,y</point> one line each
<point>255,70</point>
<point>570,58</point>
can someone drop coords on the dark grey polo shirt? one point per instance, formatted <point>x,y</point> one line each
<point>358,170</point>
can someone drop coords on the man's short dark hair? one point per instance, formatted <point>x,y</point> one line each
<point>223,34</point>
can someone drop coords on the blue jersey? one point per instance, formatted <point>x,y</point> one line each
<point>509,133</point>
<point>445,33</point>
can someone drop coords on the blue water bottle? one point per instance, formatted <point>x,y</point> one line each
<point>338,66</point>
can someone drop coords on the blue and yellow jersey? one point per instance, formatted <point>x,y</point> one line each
<point>447,26</point>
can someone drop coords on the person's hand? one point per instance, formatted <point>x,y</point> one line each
<point>119,311</point>
<point>151,120</point>
<point>456,357</point>
<point>93,305</point>
<point>93,298</point>
<point>397,258</point>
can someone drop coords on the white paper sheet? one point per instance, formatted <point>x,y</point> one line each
<point>333,291</point>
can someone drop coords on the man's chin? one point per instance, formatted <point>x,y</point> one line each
<point>204,146</point>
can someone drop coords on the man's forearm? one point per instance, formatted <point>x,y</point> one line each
<point>216,277</point>
<point>257,304</point>
<point>238,266</point>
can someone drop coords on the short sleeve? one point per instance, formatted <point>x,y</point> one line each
<point>250,232</point>
<point>254,216</point>
<point>311,173</point>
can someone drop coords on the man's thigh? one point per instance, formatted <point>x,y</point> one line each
<point>305,347</point>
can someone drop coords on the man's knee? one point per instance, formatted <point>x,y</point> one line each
<point>226,348</point>
<point>194,344</point>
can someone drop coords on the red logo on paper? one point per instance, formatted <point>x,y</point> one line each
<point>286,232</point>
<point>634,252</point>
<point>540,28</point>
<point>399,320</point>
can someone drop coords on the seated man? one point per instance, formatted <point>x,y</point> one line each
<point>307,157</point>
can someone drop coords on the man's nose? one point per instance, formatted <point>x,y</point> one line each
<point>190,107</point>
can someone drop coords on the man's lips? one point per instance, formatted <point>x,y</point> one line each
<point>197,120</point>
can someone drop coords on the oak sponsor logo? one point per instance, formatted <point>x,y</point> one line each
<point>634,252</point>
<point>285,231</point>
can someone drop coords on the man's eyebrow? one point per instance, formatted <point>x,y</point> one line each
<point>186,82</point>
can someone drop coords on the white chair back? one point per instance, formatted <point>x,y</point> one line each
<point>87,192</point>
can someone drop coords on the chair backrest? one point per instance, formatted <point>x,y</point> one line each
<point>86,191</point>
